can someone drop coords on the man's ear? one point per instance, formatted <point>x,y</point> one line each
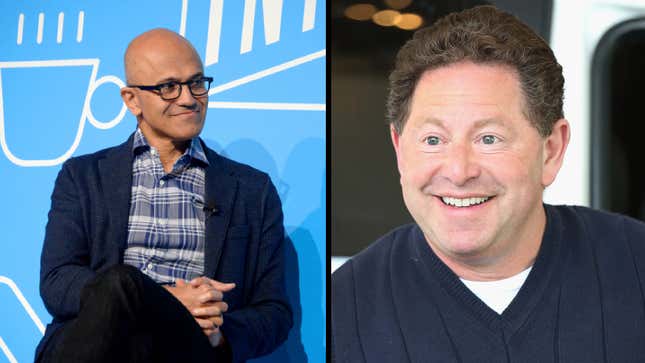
<point>396,138</point>
<point>131,100</point>
<point>555,146</point>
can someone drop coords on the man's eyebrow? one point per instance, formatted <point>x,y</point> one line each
<point>175,79</point>
<point>488,121</point>
<point>477,124</point>
<point>434,121</point>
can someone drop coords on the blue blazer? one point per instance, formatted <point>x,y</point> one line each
<point>87,233</point>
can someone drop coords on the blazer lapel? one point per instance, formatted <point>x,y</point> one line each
<point>115,172</point>
<point>220,190</point>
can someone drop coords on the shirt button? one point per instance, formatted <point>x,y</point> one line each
<point>161,182</point>
<point>153,151</point>
<point>149,266</point>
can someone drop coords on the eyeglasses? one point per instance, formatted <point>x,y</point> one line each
<point>172,90</point>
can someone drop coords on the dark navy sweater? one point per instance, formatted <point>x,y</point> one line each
<point>583,300</point>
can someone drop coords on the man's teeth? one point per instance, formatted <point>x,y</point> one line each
<point>466,202</point>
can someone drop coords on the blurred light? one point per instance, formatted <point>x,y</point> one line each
<point>387,17</point>
<point>409,21</point>
<point>398,4</point>
<point>360,11</point>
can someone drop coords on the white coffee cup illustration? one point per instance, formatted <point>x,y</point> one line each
<point>86,112</point>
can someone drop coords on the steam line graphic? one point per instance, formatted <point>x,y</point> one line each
<point>59,29</point>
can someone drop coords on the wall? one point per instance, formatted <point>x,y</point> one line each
<point>60,73</point>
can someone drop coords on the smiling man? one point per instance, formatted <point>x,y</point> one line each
<point>159,249</point>
<point>488,273</point>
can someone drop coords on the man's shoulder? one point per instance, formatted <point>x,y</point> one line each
<point>363,313</point>
<point>596,218</point>
<point>243,172</point>
<point>92,159</point>
<point>599,226</point>
<point>375,257</point>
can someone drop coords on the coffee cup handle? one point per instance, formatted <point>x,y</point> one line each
<point>90,116</point>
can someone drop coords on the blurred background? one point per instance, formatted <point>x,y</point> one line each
<point>601,46</point>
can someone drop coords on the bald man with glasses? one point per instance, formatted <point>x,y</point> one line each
<point>159,249</point>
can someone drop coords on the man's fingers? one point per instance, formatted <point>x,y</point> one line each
<point>210,296</point>
<point>206,323</point>
<point>210,331</point>
<point>221,286</point>
<point>212,310</point>
<point>197,281</point>
<point>217,321</point>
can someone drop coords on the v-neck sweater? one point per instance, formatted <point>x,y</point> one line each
<point>498,294</point>
<point>582,301</point>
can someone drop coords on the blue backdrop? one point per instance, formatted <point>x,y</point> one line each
<point>60,73</point>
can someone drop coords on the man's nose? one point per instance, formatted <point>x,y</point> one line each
<point>460,164</point>
<point>186,98</point>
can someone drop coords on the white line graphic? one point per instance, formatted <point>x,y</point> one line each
<point>86,112</point>
<point>41,24</point>
<point>90,116</point>
<point>214,31</point>
<point>267,72</point>
<point>269,106</point>
<point>309,18</point>
<point>25,304</point>
<point>184,14</point>
<point>272,10</point>
<point>21,24</point>
<point>272,17</point>
<point>7,352</point>
<point>247,29</point>
<point>79,29</point>
<point>59,33</point>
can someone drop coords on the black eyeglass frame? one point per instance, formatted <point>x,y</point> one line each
<point>157,88</point>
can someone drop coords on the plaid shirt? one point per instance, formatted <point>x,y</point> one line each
<point>166,224</point>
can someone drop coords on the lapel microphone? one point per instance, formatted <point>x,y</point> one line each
<point>210,209</point>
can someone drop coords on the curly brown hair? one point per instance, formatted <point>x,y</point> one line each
<point>482,35</point>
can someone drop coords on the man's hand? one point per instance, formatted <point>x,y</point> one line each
<point>210,316</point>
<point>205,281</point>
<point>203,299</point>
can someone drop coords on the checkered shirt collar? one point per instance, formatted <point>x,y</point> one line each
<point>194,151</point>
